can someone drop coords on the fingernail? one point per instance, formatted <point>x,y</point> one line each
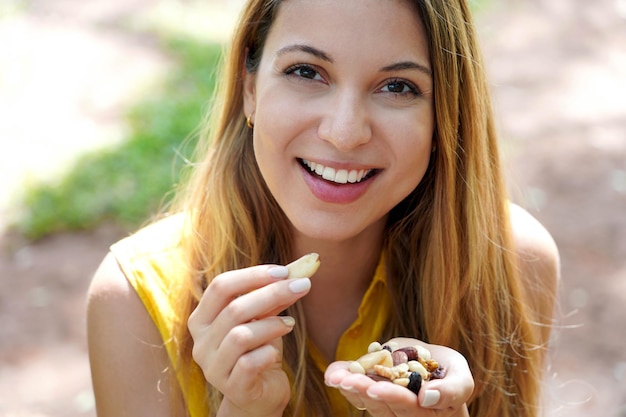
<point>278,272</point>
<point>288,320</point>
<point>431,397</point>
<point>300,285</point>
<point>347,388</point>
<point>373,396</point>
<point>330,384</point>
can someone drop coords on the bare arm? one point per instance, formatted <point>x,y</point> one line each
<point>128,360</point>
<point>539,266</point>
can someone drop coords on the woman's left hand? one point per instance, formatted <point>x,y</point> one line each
<point>445,397</point>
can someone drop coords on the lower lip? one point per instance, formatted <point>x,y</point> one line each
<point>330,192</point>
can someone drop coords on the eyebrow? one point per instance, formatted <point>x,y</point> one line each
<point>306,49</point>
<point>399,66</point>
<point>408,65</point>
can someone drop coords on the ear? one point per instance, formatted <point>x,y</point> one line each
<point>249,92</point>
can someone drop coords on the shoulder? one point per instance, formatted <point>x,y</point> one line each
<point>126,351</point>
<point>538,264</point>
<point>534,244</point>
<point>109,281</point>
<point>110,296</point>
<point>152,260</point>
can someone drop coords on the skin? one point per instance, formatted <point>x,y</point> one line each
<point>347,106</point>
<point>328,70</point>
<point>387,399</point>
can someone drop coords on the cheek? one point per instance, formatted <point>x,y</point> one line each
<point>413,158</point>
<point>414,149</point>
<point>265,152</point>
<point>276,122</point>
<point>279,123</point>
<point>271,139</point>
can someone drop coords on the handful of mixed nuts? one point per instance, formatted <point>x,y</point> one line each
<point>406,366</point>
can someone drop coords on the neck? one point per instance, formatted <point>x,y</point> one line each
<point>345,273</point>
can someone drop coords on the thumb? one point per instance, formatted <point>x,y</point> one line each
<point>449,392</point>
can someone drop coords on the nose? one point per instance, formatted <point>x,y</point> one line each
<point>346,122</point>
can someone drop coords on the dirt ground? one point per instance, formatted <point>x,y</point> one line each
<point>558,71</point>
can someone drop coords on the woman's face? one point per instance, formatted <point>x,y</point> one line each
<point>342,107</point>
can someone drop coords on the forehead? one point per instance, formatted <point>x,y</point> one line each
<point>367,27</point>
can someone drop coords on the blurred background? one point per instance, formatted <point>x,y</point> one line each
<point>99,100</point>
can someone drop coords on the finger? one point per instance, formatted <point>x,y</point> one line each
<point>354,388</point>
<point>445,393</point>
<point>394,399</point>
<point>252,364</point>
<point>218,363</point>
<point>335,372</point>
<point>247,337</point>
<point>357,389</point>
<point>257,305</point>
<point>245,383</point>
<point>380,398</point>
<point>453,390</point>
<point>227,286</point>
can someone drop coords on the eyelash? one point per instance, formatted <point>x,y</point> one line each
<point>291,71</point>
<point>414,91</point>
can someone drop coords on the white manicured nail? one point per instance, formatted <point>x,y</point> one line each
<point>431,397</point>
<point>278,272</point>
<point>288,320</point>
<point>300,285</point>
<point>348,388</point>
<point>373,396</point>
<point>330,384</point>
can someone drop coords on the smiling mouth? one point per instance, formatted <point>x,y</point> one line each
<point>338,176</point>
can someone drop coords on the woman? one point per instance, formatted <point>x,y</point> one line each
<point>361,130</point>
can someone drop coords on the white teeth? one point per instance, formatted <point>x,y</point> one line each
<point>340,176</point>
<point>319,169</point>
<point>328,174</point>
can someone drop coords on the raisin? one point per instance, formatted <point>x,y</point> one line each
<point>415,382</point>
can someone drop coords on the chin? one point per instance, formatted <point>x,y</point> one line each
<point>335,231</point>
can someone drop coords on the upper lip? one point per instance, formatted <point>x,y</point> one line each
<point>339,173</point>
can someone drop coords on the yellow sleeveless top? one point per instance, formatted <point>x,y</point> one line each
<point>151,260</point>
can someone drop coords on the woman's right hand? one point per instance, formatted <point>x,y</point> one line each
<point>237,336</point>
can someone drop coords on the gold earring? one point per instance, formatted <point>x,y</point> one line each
<point>249,122</point>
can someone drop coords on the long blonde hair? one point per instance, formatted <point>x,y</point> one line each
<point>450,264</point>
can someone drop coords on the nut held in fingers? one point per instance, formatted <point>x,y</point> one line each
<point>304,267</point>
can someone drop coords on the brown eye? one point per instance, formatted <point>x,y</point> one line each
<point>400,87</point>
<point>307,73</point>
<point>303,71</point>
<point>397,87</point>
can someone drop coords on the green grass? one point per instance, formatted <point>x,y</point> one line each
<point>479,5</point>
<point>128,183</point>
